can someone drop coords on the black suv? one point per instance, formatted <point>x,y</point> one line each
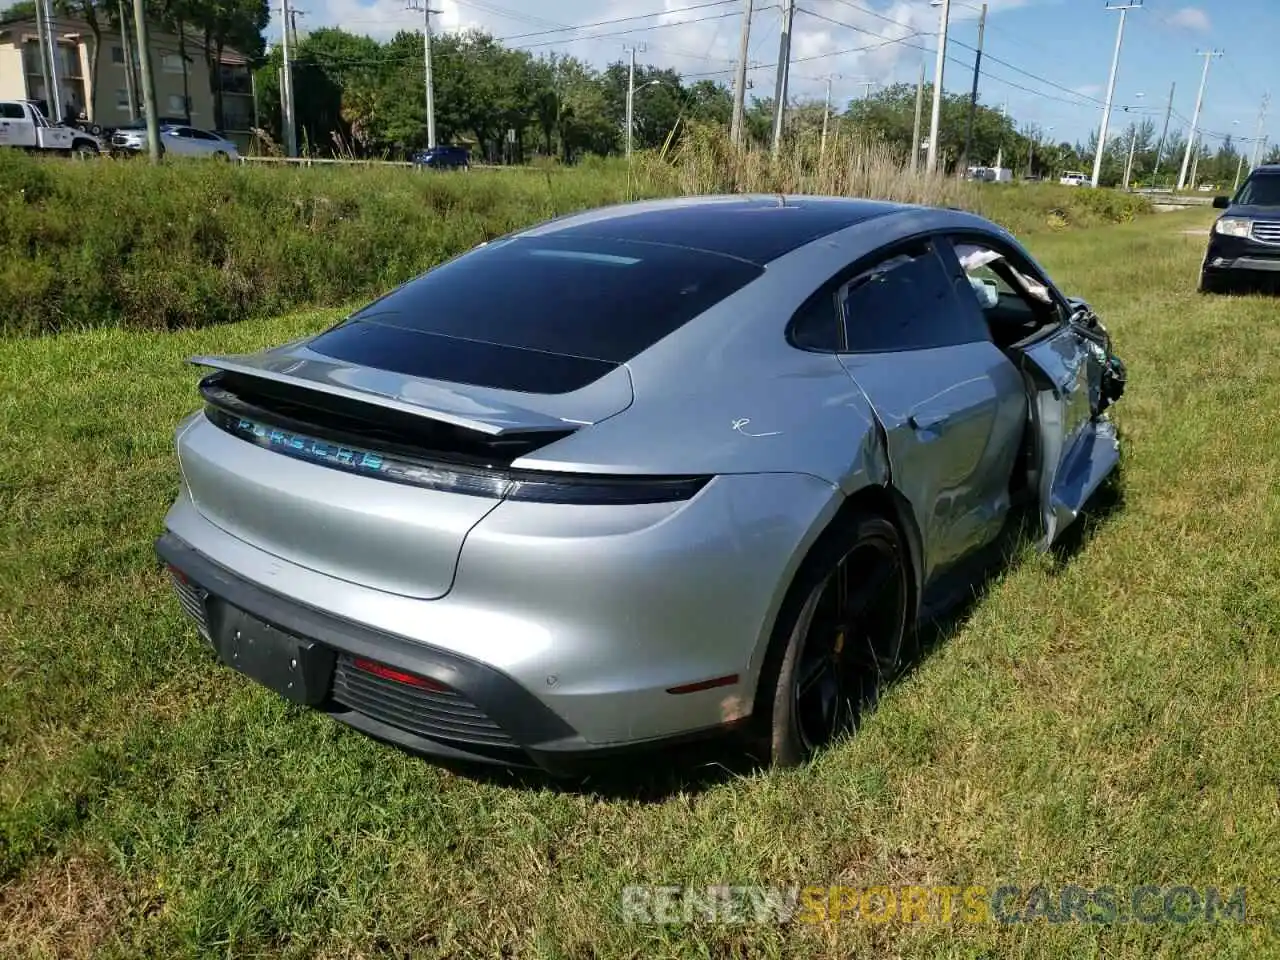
<point>1244,244</point>
<point>443,158</point>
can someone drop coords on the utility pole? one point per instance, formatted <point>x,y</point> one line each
<point>944,23</point>
<point>915,132</point>
<point>286,84</point>
<point>148,79</point>
<point>293,25</point>
<point>1128,167</point>
<point>826,111</point>
<point>1262,121</point>
<point>784,70</point>
<point>740,80</point>
<point>427,79</point>
<point>1195,117</point>
<point>42,41</point>
<point>1164,132</point>
<point>1239,171</point>
<point>631,93</point>
<point>54,98</point>
<point>127,49</point>
<point>973,97</point>
<point>1111,85</point>
<point>1195,162</point>
<point>425,8</point>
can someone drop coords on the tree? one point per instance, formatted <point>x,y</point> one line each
<point>229,23</point>
<point>94,13</point>
<point>890,114</point>
<point>19,10</point>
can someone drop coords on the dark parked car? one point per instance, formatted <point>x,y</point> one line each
<point>443,158</point>
<point>1244,244</point>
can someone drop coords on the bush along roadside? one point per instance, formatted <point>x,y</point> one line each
<point>189,244</point>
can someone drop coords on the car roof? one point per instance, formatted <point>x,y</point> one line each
<point>758,229</point>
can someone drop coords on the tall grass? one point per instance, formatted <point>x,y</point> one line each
<point>190,243</point>
<point>849,164</point>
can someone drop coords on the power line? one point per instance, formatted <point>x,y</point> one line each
<point>1033,76</point>
<point>399,58</point>
<point>1081,101</point>
<point>617,20</point>
<point>811,57</point>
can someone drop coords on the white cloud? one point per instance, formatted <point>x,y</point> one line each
<point>1191,18</point>
<point>860,45</point>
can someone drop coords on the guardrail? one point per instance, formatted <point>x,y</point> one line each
<point>336,161</point>
<point>1178,199</point>
<point>312,161</point>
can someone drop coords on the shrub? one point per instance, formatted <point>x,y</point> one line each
<point>189,243</point>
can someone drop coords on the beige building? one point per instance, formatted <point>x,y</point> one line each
<point>182,87</point>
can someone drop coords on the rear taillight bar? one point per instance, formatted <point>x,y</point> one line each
<point>477,481</point>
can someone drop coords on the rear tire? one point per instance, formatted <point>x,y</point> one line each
<point>83,150</point>
<point>844,626</point>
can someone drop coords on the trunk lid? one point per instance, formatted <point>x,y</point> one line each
<point>304,457</point>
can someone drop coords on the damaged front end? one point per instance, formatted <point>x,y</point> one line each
<point>1074,377</point>
<point>1109,374</point>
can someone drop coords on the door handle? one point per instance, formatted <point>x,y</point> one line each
<point>927,422</point>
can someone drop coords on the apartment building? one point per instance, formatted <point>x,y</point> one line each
<point>183,88</point>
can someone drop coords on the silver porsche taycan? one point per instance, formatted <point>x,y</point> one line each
<point>639,474</point>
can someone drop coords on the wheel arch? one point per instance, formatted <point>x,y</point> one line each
<point>883,500</point>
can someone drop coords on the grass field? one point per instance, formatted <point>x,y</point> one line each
<point>1110,716</point>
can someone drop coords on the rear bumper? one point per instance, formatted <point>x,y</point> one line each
<point>521,730</point>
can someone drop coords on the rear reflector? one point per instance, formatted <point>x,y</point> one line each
<point>397,676</point>
<point>725,681</point>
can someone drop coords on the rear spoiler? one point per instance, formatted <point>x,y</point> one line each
<point>429,401</point>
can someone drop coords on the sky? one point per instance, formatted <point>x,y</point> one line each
<point>1046,60</point>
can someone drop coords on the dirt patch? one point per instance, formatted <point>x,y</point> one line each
<point>64,908</point>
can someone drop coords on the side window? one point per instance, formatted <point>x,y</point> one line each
<point>12,111</point>
<point>905,302</point>
<point>816,325</point>
<point>1013,301</point>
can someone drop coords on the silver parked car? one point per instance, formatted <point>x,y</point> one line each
<point>638,474</point>
<point>177,140</point>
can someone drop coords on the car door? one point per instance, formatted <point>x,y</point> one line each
<point>1063,355</point>
<point>950,404</point>
<point>16,128</point>
<point>177,140</point>
<point>206,144</point>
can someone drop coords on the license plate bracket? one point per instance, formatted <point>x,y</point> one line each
<point>298,669</point>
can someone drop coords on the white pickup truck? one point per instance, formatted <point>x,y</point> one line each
<point>23,125</point>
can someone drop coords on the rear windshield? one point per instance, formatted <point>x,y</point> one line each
<point>1261,190</point>
<point>604,300</point>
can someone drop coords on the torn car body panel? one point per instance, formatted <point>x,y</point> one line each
<point>1072,377</point>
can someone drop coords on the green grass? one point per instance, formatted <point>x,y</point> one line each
<point>1107,717</point>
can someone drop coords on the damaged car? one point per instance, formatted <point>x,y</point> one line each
<point>651,472</point>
